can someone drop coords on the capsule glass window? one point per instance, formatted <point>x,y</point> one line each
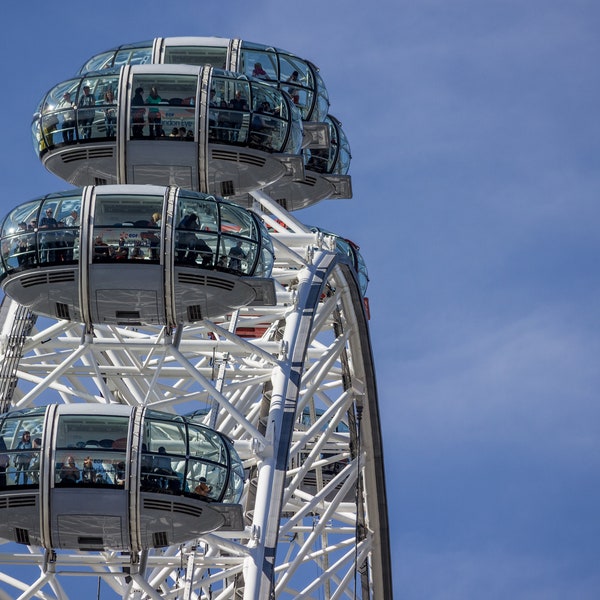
<point>231,110</point>
<point>238,255</point>
<point>55,114</point>
<point>270,119</point>
<point>164,450</point>
<point>259,64</point>
<point>208,471</point>
<point>297,81</point>
<point>196,55</point>
<point>127,228</point>
<point>98,62</point>
<point>165,437</point>
<point>133,56</point>
<point>163,103</point>
<point>340,156</point>
<point>58,229</point>
<point>91,451</point>
<point>21,437</point>
<point>19,236</point>
<point>196,231</point>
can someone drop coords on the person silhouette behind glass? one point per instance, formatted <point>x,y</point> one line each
<point>49,241</point>
<point>22,459</point>
<point>69,473</point>
<point>154,115</point>
<point>89,471</point>
<point>72,222</point>
<point>187,239</point>
<point>86,112</point>
<point>68,114</point>
<point>236,255</point>
<point>110,113</point>
<point>162,466</point>
<point>22,244</point>
<point>138,114</point>
<point>203,489</point>
<point>34,465</point>
<point>259,72</point>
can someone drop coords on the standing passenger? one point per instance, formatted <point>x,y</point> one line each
<point>110,113</point>
<point>68,124</point>
<point>22,459</point>
<point>86,112</point>
<point>154,116</point>
<point>138,114</point>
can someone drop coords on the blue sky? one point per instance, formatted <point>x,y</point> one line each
<point>474,127</point>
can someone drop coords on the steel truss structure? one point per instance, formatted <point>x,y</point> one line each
<point>292,385</point>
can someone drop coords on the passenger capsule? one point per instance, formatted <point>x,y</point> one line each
<point>114,477</point>
<point>135,255</point>
<point>351,251</point>
<point>199,128</point>
<point>297,77</point>
<point>325,173</point>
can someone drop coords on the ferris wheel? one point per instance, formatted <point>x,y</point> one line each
<point>189,397</point>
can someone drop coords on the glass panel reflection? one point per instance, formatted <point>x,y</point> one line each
<point>127,228</point>
<point>207,233</point>
<point>163,107</point>
<point>20,445</point>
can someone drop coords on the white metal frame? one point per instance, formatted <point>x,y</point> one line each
<point>300,404</point>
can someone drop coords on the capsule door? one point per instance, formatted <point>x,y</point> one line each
<point>123,257</point>
<point>159,134</point>
<point>88,481</point>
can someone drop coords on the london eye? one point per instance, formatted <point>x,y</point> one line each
<point>188,396</point>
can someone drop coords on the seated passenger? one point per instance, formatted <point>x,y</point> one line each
<point>89,473</point>
<point>203,489</point>
<point>102,251</point>
<point>69,473</point>
<point>120,473</point>
<point>137,252</point>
